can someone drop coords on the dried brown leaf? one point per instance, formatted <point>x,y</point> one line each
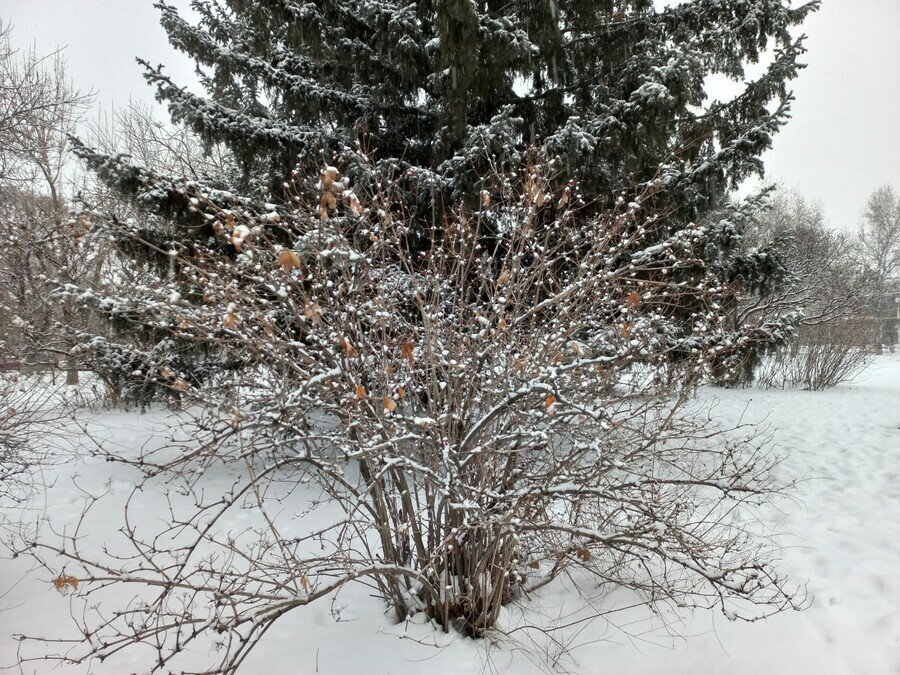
<point>347,346</point>
<point>329,176</point>
<point>288,260</point>
<point>64,582</point>
<point>328,200</point>
<point>353,203</point>
<point>406,352</point>
<point>313,312</point>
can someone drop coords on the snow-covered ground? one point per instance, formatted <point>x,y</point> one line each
<point>841,536</point>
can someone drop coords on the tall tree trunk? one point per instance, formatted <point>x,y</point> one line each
<point>71,371</point>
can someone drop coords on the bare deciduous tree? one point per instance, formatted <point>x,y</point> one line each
<point>879,237</point>
<point>824,284</point>
<point>136,133</point>
<point>879,244</point>
<point>38,108</point>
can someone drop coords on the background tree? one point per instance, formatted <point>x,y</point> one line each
<point>38,108</point>
<point>879,236</point>
<point>823,283</point>
<point>879,244</point>
<point>824,273</point>
<point>134,133</point>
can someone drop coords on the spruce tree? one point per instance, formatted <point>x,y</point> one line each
<point>613,89</point>
<point>448,102</point>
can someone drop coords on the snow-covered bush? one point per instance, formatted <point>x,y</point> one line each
<point>38,107</point>
<point>820,356</point>
<point>479,420</point>
<point>29,409</point>
<point>824,282</point>
<point>11,441</point>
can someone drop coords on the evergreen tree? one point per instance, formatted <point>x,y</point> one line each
<point>613,89</point>
<point>448,103</point>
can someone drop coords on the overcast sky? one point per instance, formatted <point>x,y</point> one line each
<point>843,142</point>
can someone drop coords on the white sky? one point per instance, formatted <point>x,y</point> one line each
<point>843,142</point>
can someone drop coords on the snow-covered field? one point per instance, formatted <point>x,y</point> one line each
<point>840,536</point>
